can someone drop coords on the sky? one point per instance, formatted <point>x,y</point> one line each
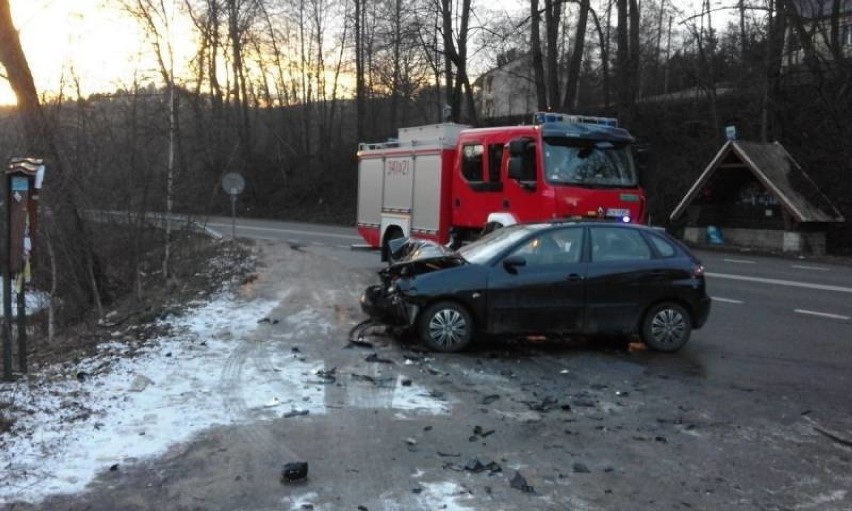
<point>92,40</point>
<point>103,49</point>
<point>130,405</point>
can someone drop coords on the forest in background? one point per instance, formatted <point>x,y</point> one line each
<point>282,92</point>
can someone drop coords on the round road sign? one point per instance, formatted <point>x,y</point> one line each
<point>233,183</point>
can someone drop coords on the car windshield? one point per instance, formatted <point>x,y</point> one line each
<point>484,250</point>
<point>568,161</point>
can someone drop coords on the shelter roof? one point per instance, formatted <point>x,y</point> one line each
<point>778,172</point>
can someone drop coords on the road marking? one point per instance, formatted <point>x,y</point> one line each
<point>815,268</point>
<point>289,231</point>
<point>822,314</point>
<point>739,261</point>
<point>779,282</point>
<point>726,300</point>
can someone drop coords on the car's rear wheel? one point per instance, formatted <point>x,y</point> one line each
<point>446,327</point>
<point>666,327</point>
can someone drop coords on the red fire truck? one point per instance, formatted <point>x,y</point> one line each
<point>450,183</point>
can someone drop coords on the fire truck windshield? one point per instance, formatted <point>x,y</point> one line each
<point>601,164</point>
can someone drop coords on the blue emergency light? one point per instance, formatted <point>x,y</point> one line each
<point>545,117</point>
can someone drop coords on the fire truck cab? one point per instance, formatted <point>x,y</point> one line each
<point>451,183</point>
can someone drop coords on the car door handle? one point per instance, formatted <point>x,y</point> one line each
<point>574,277</point>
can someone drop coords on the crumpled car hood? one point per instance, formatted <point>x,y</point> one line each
<point>409,257</point>
<point>409,249</point>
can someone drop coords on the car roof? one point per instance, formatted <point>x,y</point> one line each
<point>582,223</point>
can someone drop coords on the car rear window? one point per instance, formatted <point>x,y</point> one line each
<point>618,244</point>
<point>665,248</point>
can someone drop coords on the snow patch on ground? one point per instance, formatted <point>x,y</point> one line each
<point>34,300</point>
<point>393,394</point>
<point>126,403</point>
<point>823,499</point>
<point>67,429</point>
<point>445,495</point>
<point>301,502</point>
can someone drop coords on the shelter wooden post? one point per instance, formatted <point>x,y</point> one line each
<point>23,182</point>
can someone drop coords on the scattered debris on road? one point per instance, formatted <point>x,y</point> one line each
<point>519,482</point>
<point>487,400</point>
<point>296,413</point>
<point>294,471</point>
<point>375,358</point>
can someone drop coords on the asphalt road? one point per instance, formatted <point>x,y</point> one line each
<point>752,414</point>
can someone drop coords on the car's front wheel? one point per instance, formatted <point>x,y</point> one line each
<point>666,327</point>
<point>446,327</point>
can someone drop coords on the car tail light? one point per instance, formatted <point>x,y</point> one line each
<point>698,270</point>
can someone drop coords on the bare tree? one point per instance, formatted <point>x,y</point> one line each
<point>576,57</point>
<point>772,80</point>
<point>537,55</point>
<point>39,135</point>
<point>622,68</point>
<point>552,22</point>
<point>455,39</point>
<point>360,88</point>
<point>79,262</point>
<point>157,19</point>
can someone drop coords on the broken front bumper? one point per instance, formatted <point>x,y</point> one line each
<point>387,307</point>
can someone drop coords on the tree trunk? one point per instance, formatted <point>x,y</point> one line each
<point>359,72</point>
<point>772,79</point>
<point>573,80</point>
<point>537,58</point>
<point>397,36</point>
<point>655,87</point>
<point>743,35</point>
<point>622,74</point>
<point>238,69</point>
<point>552,17</point>
<point>635,53</point>
<point>39,139</point>
<point>456,56</point>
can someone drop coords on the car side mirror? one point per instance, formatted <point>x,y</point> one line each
<point>512,263</point>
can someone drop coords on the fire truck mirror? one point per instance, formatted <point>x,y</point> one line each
<point>517,147</point>
<point>516,168</point>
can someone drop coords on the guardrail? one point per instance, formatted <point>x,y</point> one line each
<point>156,219</point>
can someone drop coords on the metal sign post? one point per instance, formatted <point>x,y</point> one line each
<point>233,184</point>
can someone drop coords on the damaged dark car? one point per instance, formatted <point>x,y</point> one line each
<point>548,279</point>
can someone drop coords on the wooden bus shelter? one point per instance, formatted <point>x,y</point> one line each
<point>756,195</point>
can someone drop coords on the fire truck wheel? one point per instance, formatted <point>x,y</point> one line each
<point>446,327</point>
